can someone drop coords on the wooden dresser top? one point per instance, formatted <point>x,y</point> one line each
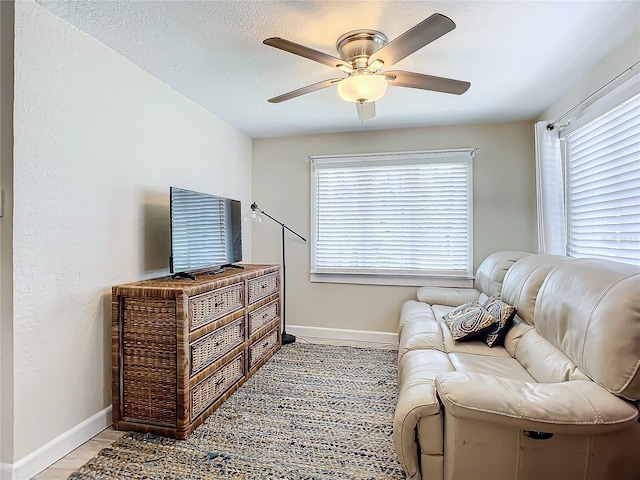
<point>204,281</point>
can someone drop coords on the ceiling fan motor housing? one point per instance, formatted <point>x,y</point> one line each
<point>358,45</point>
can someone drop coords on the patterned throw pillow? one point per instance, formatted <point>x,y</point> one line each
<point>504,313</point>
<point>458,310</point>
<point>469,321</point>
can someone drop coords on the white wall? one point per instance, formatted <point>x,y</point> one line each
<point>98,142</point>
<point>602,72</point>
<point>6,231</point>
<point>504,211</point>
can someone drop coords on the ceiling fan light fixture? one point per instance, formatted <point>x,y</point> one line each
<point>362,87</point>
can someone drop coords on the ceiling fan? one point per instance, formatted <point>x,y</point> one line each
<point>363,55</point>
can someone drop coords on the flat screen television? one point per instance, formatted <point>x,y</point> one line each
<point>206,231</point>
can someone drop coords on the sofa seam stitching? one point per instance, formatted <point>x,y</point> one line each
<point>520,291</point>
<point>595,306</point>
<point>586,328</point>
<point>515,350</point>
<point>628,382</point>
<point>520,405</point>
<point>593,407</point>
<point>491,274</point>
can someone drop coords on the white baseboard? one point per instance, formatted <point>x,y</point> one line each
<point>57,448</point>
<point>339,336</point>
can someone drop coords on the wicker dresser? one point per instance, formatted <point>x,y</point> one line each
<point>181,347</point>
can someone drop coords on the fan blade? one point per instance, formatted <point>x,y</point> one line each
<point>307,52</point>
<point>303,90</point>
<point>366,110</point>
<point>426,82</point>
<point>414,39</point>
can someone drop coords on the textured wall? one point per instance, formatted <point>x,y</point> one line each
<point>504,211</point>
<point>98,142</point>
<point>601,73</point>
<point>6,232</point>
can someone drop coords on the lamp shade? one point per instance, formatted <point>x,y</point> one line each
<point>253,216</point>
<point>362,87</point>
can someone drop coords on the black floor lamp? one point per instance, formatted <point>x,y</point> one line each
<point>254,215</point>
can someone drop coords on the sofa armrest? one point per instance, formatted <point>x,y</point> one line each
<point>417,401</point>
<point>573,407</point>
<point>450,296</point>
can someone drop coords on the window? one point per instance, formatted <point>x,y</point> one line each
<point>602,165</point>
<point>396,218</point>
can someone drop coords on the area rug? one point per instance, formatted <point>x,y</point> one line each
<point>311,412</point>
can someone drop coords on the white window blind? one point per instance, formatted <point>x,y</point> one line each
<point>393,214</point>
<point>603,185</point>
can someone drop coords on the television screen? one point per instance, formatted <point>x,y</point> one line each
<point>206,230</point>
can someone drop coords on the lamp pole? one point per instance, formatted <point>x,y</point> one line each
<point>286,338</point>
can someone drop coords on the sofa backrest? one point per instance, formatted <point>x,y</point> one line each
<point>590,310</point>
<point>523,281</point>
<point>491,272</point>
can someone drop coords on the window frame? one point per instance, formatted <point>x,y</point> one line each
<point>452,279</point>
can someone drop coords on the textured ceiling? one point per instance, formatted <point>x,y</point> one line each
<point>520,56</point>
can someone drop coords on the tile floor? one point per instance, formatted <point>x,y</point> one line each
<point>81,455</point>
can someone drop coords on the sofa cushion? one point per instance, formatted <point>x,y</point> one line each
<point>504,313</point>
<point>447,295</point>
<point>492,270</point>
<point>422,366</point>
<point>590,310</point>
<point>414,311</point>
<point>545,362</point>
<point>420,334</point>
<point>439,311</point>
<point>504,367</point>
<point>469,321</point>
<point>523,281</point>
<point>515,334</point>
<point>419,328</point>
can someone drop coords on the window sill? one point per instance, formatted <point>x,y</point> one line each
<point>392,280</point>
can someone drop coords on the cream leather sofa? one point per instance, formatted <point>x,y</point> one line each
<point>559,400</point>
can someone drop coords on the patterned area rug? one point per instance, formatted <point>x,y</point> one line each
<point>311,412</point>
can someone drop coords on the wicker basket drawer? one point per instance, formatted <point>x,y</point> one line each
<point>211,388</point>
<point>211,306</point>
<point>262,347</point>
<point>216,344</point>
<point>262,316</point>
<point>263,286</point>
